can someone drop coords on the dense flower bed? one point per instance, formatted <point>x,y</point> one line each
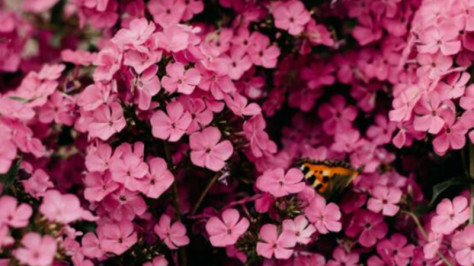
<point>168,132</point>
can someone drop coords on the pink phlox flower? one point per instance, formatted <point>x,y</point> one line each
<point>301,227</point>
<point>98,157</point>
<point>128,169</point>
<point>291,16</point>
<point>319,34</point>
<point>261,52</point>
<point>395,250</point>
<point>124,204</point>
<point>218,84</point>
<point>96,95</point>
<point>275,244</point>
<point>91,245</point>
<point>98,186</point>
<point>279,184</point>
<point>192,8</point>
<point>8,153</point>
<point>174,38</point>
<point>14,214</point>
<point>158,180</point>
<point>139,32</point>
<point>433,65</point>
<point>159,260</point>
<point>342,257</point>
<point>325,76</point>
<point>108,61</point>
<point>62,208</point>
<point>454,85</point>
<point>78,57</point>
<point>226,231</point>
<point>467,100</point>
<point>239,62</point>
<point>173,125</point>
<point>453,134</point>
<point>450,215</point>
<point>107,120</point>
<point>117,237</point>
<point>442,38</point>
<point>38,183</point>
<point>384,199</point>
<point>179,79</point>
<point>325,217</point>
<point>167,12</point>
<point>238,104</point>
<point>260,142</point>
<point>381,131</point>
<point>147,85</point>
<point>36,250</point>
<point>173,235</point>
<point>429,112</point>
<point>368,226</point>
<point>200,113</point>
<point>337,116</point>
<point>462,244</point>
<point>207,151</point>
<point>59,108</point>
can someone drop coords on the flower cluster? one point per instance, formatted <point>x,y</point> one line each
<point>156,132</point>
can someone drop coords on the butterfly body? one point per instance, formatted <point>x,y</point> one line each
<point>328,177</point>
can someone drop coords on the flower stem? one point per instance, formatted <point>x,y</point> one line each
<point>425,235</point>
<point>177,212</point>
<point>471,175</point>
<point>204,193</point>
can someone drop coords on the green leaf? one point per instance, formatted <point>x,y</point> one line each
<point>438,189</point>
<point>8,179</point>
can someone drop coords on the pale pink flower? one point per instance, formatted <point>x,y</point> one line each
<point>342,257</point>
<point>139,32</point>
<point>279,184</point>
<point>158,180</point>
<point>62,208</point>
<point>179,79</point>
<point>174,235</point>
<point>226,231</point>
<point>442,38</point>
<point>107,120</point>
<point>462,244</point>
<point>300,226</point>
<point>7,155</point>
<point>98,157</point>
<point>148,85</point>
<point>173,38</point>
<point>96,95</point>
<point>325,217</point>
<point>98,186</point>
<point>274,244</point>
<point>90,246</point>
<point>173,125</point>
<point>108,62</point>
<point>38,183</point>
<point>166,12</point>
<point>291,16</point>
<point>14,214</point>
<point>117,237</point>
<point>384,199</point>
<point>261,52</point>
<point>450,215</point>
<point>128,170</point>
<point>207,151</point>
<point>429,110</point>
<point>239,105</point>
<point>36,250</point>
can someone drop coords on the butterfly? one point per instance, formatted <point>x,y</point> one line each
<point>328,178</point>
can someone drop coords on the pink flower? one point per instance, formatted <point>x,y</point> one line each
<point>98,186</point>
<point>172,126</point>
<point>59,108</point>
<point>148,85</point>
<point>174,235</point>
<point>385,199</point>
<point>279,184</point>
<point>450,215</point>
<point>107,120</point>
<point>369,226</point>
<point>462,244</point>
<point>158,180</point>
<point>36,250</point>
<point>207,151</point>
<point>341,257</point>
<point>337,116</point>
<point>274,244</point>
<point>239,62</point>
<point>117,237</point>
<point>433,65</point>
<point>326,218</point>
<point>291,16</point>
<point>453,135</point>
<point>166,12</point>
<point>108,62</point>
<point>14,214</point>
<point>91,246</point>
<point>454,85</point>
<point>261,52</point>
<point>429,110</point>
<point>124,204</point>
<point>7,155</point>
<point>442,38</point>
<point>139,32</point>
<point>62,208</point>
<point>227,231</point>
<point>37,6</point>
<point>238,105</point>
<point>95,95</point>
<point>300,226</point>
<point>179,79</point>
<point>38,183</point>
<point>128,170</point>
<point>395,250</point>
<point>467,101</point>
<point>98,157</point>
<point>157,261</point>
<point>173,38</point>
<point>319,34</point>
